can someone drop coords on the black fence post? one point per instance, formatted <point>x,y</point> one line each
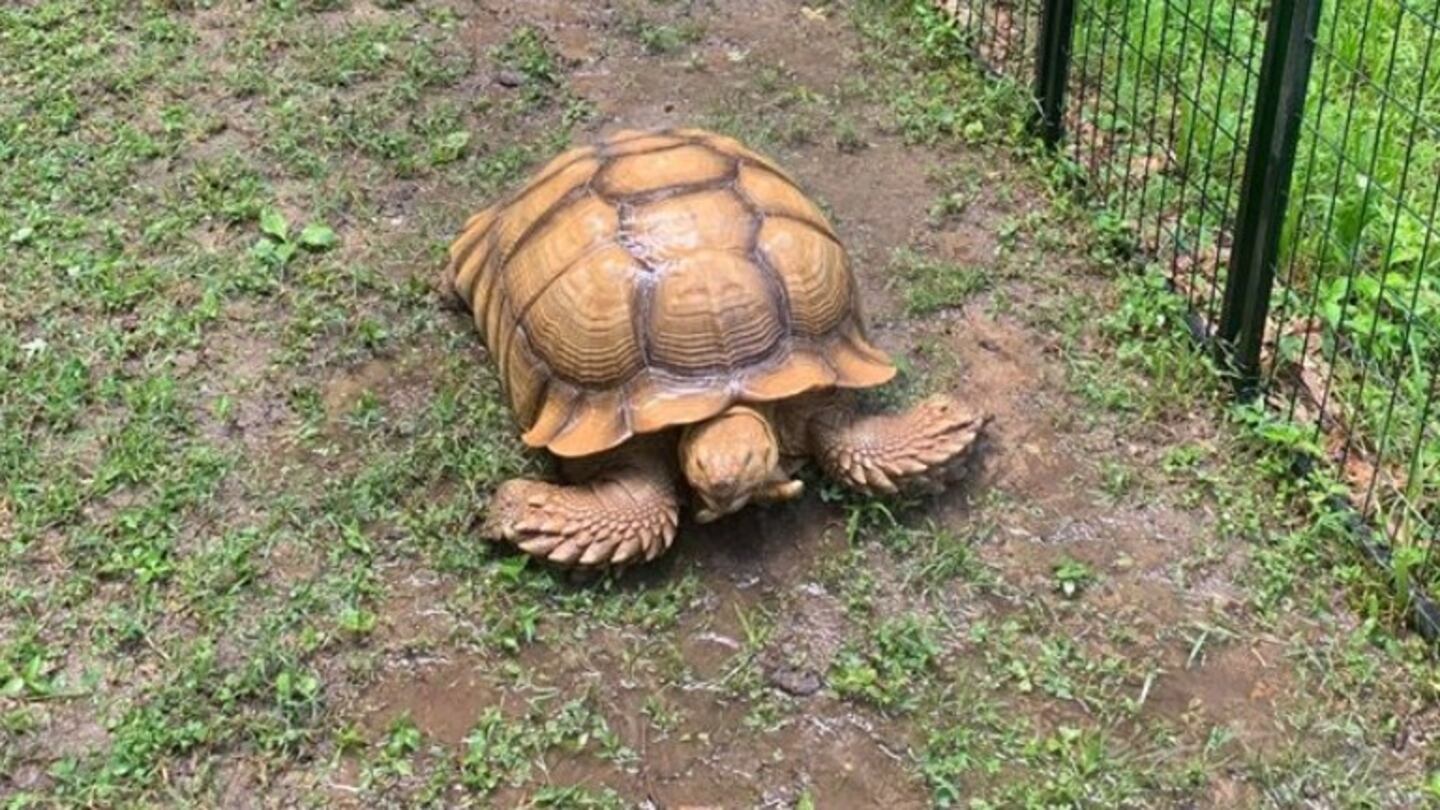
<point>1052,67</point>
<point>1265,190</point>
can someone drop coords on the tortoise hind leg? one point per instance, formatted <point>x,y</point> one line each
<point>886,453</point>
<point>626,511</point>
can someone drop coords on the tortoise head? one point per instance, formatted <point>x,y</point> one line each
<point>733,459</point>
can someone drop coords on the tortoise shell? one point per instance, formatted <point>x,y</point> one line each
<point>654,279</point>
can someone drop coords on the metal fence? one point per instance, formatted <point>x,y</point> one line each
<point>1281,160</point>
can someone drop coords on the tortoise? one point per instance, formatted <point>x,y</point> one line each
<point>667,306</point>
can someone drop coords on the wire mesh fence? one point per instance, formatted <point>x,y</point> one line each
<point>1356,333</point>
<point>1159,119</point>
<point>1180,114</point>
<point>1001,33</point>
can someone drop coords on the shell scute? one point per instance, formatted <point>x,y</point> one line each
<point>562,243</point>
<point>581,325</point>
<point>775,196</point>
<point>536,207</point>
<point>666,231</point>
<point>815,272</point>
<point>683,167</point>
<point>712,313</point>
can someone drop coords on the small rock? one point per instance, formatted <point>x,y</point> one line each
<point>185,362</point>
<point>28,777</point>
<point>794,681</point>
<point>510,78</point>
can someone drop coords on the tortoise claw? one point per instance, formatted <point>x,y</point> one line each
<point>912,451</point>
<point>609,521</point>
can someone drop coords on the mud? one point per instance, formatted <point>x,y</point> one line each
<point>444,698</point>
<point>1234,686</point>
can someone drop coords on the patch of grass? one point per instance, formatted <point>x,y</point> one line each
<point>581,798</point>
<point>27,668</point>
<point>1151,337</point>
<point>884,672</point>
<point>1156,368</point>
<point>774,110</point>
<point>931,285</point>
<point>958,187</point>
<point>936,96</point>
<point>166,478</point>
<point>528,53</point>
<point>500,751</point>
<point>661,38</point>
<point>946,557</point>
<point>848,137</point>
<point>989,755</point>
<point>1072,577</point>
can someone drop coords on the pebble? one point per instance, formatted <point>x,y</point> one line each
<point>794,681</point>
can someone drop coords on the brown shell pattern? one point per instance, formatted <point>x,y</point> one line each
<point>653,280</point>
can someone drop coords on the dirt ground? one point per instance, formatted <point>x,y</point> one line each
<point>1109,611</point>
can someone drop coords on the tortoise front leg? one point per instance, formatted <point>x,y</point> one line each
<point>627,510</point>
<point>886,453</point>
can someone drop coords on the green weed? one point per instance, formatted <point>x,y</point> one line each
<point>931,285</point>
<point>885,671</point>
